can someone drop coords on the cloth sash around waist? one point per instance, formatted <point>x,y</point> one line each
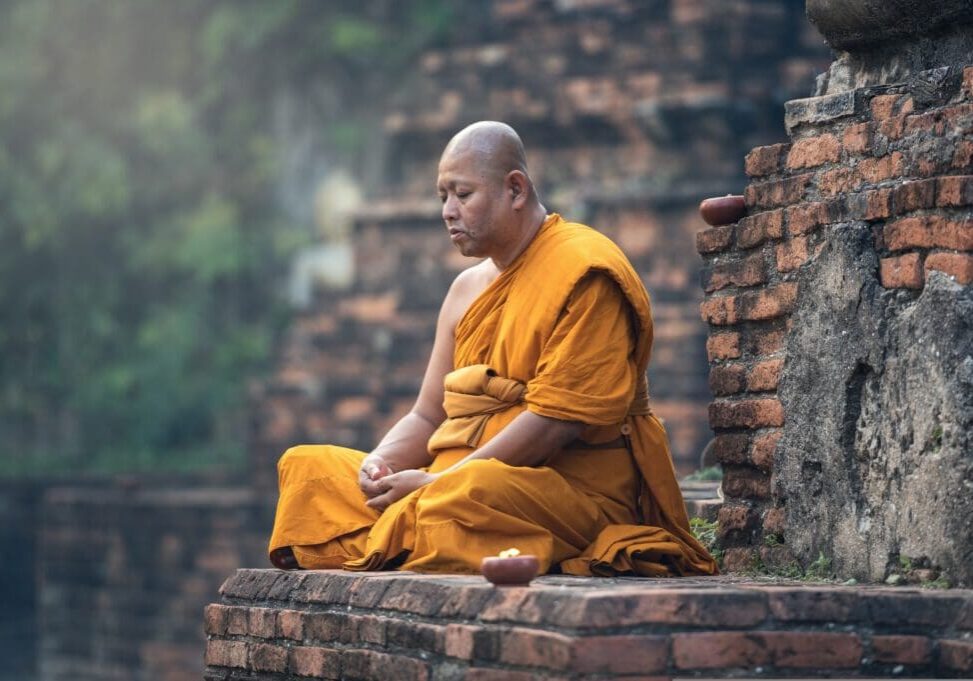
<point>474,393</point>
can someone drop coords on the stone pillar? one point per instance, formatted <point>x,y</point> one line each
<point>841,311</point>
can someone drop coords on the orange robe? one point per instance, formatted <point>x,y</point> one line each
<point>565,331</point>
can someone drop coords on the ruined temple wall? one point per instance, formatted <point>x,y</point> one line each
<point>841,336</point>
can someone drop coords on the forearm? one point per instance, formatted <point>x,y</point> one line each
<point>405,445</point>
<point>529,440</point>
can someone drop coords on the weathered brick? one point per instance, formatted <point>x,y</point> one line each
<point>814,604</point>
<point>759,413</point>
<point>745,482</point>
<point>928,231</point>
<point>886,106</point>
<point>632,654</point>
<point>714,239</point>
<point>857,138</point>
<point>878,204</point>
<point>372,629</point>
<point>327,627</point>
<point>674,605</point>
<point>236,621</point>
<point>415,635</point>
<point>535,648</point>
<point>763,161</point>
<point>956,656</point>
<point>814,151</point>
<point>723,346</point>
<point>777,193</point>
<point>221,653</point>
<point>731,447</point>
<point>764,341</point>
<point>875,170</point>
<point>767,304</point>
<point>792,253</point>
<point>215,617</point>
<point>765,375</point>
<point>814,650</point>
<point>904,271</point>
<point>840,180</point>
<point>372,664</point>
<point>719,310</point>
<point>954,191</point>
<point>893,128</point>
<point>957,265</point>
<point>747,271</point>
<point>727,379</point>
<point>901,649</point>
<point>265,657</point>
<point>323,663</point>
<point>774,522</point>
<point>963,156</point>
<point>262,622</point>
<point>734,517</point>
<point>459,640</point>
<point>291,624</point>
<point>763,448</point>
<point>807,217</point>
<point>913,195</point>
<point>755,229</point>
<point>485,674</point>
<point>968,81</point>
<point>739,559</point>
<point>719,650</point>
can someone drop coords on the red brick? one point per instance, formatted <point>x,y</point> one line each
<point>930,122</point>
<point>372,629</point>
<point>674,605</point>
<point>914,195</point>
<point>215,616</point>
<point>761,342</point>
<point>719,650</point>
<point>968,81</point>
<point>719,310</point>
<point>814,151</point>
<point>755,229</point>
<point>746,271</point>
<point>714,239</point>
<point>236,621</point>
<point>886,106</point>
<point>262,622</point>
<point>762,450</point>
<point>893,128</point>
<point>291,624</point>
<point>775,521</point>
<point>777,192</point>
<point>323,663</point>
<point>460,639</point>
<point>731,448</point>
<point>744,482</point>
<point>857,138</point>
<point>220,653</point>
<point>963,156</point>
<point>738,559</point>
<point>814,650</point>
<point>535,648</point>
<point>901,649</point>
<point>764,161</point>
<point>329,626</point>
<point>929,231</point>
<point>957,265</point>
<point>481,674</point>
<point>265,657</point>
<point>875,170</point>
<point>620,654</point>
<point>904,271</point>
<point>400,633</point>
<point>767,304</point>
<point>723,346</point>
<point>839,180</point>
<point>878,204</point>
<point>734,517</point>
<point>814,604</point>
<point>727,379</point>
<point>746,413</point>
<point>371,664</point>
<point>807,217</point>
<point>956,655</point>
<point>765,375</point>
<point>792,254</point>
<point>954,191</point>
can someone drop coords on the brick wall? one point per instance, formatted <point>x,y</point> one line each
<point>277,626</point>
<point>892,163</point>
<point>631,113</point>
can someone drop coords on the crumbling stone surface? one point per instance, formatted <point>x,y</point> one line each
<point>875,465</point>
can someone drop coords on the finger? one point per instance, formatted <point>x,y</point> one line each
<point>379,503</point>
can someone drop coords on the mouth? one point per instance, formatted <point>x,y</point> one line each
<point>456,234</point>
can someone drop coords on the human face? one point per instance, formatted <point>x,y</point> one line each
<point>474,207</point>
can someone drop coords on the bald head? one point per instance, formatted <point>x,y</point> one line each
<point>495,147</point>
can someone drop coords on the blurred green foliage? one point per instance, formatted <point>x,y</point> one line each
<point>141,244</point>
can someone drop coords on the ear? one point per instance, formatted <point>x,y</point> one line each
<point>519,187</point>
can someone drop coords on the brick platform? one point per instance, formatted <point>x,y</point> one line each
<point>274,625</point>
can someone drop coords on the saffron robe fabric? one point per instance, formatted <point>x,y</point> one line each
<point>570,320</point>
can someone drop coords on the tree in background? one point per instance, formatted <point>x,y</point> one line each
<point>141,237</point>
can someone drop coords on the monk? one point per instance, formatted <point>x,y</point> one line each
<point>532,428</point>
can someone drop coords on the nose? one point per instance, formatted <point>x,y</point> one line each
<point>450,209</point>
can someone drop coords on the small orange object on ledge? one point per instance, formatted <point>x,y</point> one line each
<point>510,568</point>
<point>723,210</point>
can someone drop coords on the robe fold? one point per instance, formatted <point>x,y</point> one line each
<point>565,332</point>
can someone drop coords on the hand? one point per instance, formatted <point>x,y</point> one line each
<point>398,485</point>
<point>373,468</point>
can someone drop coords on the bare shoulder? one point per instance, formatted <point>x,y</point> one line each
<point>468,284</point>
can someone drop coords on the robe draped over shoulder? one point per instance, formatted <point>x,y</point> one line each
<point>565,332</point>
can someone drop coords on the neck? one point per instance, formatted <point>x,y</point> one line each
<point>533,220</point>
